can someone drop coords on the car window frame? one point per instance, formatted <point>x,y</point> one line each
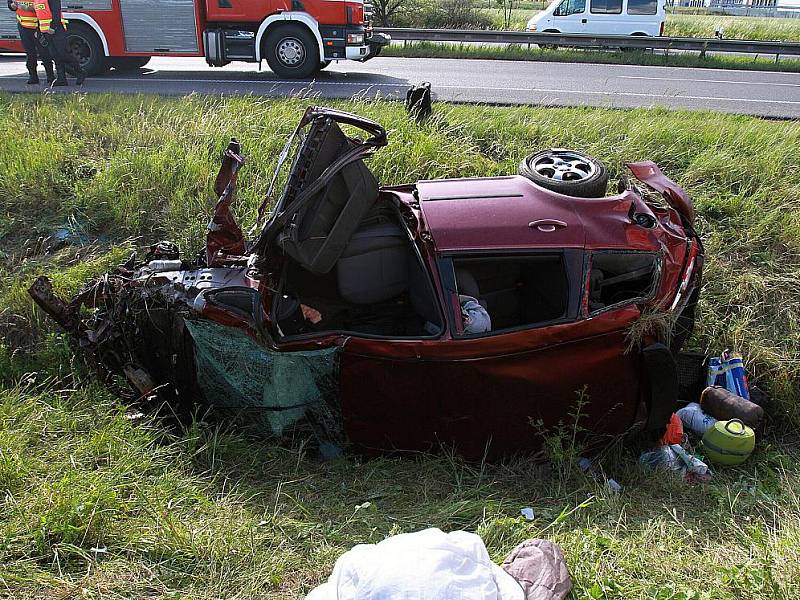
<point>575,266</point>
<point>657,273</point>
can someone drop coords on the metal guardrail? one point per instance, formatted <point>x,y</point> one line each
<point>583,40</point>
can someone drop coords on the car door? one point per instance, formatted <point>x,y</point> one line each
<point>570,16</point>
<point>495,391</point>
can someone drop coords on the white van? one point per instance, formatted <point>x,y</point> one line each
<point>601,17</point>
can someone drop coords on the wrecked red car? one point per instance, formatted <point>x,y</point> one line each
<point>449,312</point>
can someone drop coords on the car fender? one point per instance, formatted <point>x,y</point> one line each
<point>648,173</point>
<point>70,16</point>
<point>292,16</point>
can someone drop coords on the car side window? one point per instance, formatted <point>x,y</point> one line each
<point>608,7</point>
<point>502,293</point>
<point>570,7</point>
<point>642,7</point>
<point>621,277</point>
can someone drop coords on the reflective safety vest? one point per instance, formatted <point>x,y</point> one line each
<point>45,15</point>
<point>26,14</point>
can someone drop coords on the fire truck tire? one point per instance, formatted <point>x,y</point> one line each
<point>292,52</point>
<point>128,63</point>
<point>86,46</point>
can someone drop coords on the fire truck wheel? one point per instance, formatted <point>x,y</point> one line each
<point>292,52</point>
<point>84,45</point>
<point>128,63</point>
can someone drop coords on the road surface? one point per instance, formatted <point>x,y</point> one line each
<point>490,81</point>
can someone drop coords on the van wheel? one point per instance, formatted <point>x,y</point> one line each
<point>634,49</point>
<point>549,46</point>
<point>567,172</point>
<point>85,46</point>
<point>128,63</point>
<point>292,52</point>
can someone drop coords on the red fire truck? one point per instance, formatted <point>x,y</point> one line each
<point>296,37</point>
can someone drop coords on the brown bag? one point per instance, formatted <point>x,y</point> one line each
<point>724,406</point>
<point>539,567</point>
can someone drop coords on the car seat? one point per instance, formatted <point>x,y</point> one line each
<point>374,266</point>
<point>324,226</point>
<point>328,193</point>
<point>468,285</point>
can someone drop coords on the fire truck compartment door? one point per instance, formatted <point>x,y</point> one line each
<point>159,25</point>
<point>8,24</point>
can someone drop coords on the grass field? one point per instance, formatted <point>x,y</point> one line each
<point>99,504</point>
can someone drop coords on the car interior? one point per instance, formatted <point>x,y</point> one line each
<point>618,277</point>
<point>516,291</point>
<point>352,261</point>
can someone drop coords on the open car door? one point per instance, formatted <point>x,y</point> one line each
<point>328,192</point>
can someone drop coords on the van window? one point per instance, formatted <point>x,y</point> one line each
<point>515,291</point>
<point>642,7</point>
<point>606,7</point>
<point>619,277</point>
<point>570,7</point>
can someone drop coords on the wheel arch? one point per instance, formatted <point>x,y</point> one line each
<point>294,17</point>
<point>70,16</point>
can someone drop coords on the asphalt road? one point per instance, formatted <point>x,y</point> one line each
<point>500,82</point>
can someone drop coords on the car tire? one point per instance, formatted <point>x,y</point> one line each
<point>292,52</point>
<point>128,63</point>
<point>567,172</point>
<point>84,44</point>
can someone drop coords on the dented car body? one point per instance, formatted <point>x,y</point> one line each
<point>345,311</point>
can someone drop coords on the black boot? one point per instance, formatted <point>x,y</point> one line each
<point>61,80</point>
<point>80,77</point>
<point>33,76</point>
<point>48,69</point>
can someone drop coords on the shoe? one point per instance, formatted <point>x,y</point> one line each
<point>81,77</point>
<point>33,80</point>
<point>49,74</point>
<point>61,80</point>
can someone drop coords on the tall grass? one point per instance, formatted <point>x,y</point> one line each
<point>744,28</point>
<point>98,502</point>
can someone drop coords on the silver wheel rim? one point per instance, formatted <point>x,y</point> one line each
<point>291,52</point>
<point>563,166</point>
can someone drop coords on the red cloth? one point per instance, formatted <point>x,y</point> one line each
<point>674,433</point>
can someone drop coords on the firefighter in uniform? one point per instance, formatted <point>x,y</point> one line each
<point>54,30</point>
<point>28,25</point>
